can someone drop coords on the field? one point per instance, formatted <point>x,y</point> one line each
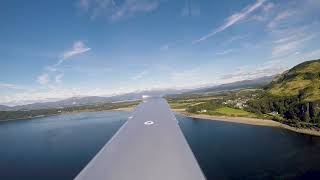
<point>227,111</point>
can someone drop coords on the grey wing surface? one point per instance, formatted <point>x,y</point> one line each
<point>149,146</point>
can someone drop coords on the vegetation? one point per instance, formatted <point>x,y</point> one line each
<point>301,81</point>
<point>227,111</point>
<point>294,95</point>
<point>292,98</point>
<point>26,114</point>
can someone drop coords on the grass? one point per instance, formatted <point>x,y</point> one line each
<point>312,67</point>
<point>303,78</point>
<point>185,103</point>
<point>290,88</point>
<point>178,105</point>
<point>227,111</point>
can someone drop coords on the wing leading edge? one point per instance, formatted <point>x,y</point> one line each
<point>149,146</point>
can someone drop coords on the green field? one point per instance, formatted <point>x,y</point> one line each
<point>227,111</point>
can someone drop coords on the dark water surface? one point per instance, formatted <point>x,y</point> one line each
<point>58,147</point>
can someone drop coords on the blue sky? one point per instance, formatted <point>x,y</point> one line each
<point>51,50</point>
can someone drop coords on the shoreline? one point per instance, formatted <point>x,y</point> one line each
<point>248,121</point>
<point>239,120</point>
<point>124,109</point>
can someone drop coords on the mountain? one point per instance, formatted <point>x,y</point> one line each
<point>4,108</point>
<point>74,101</point>
<point>254,83</point>
<point>89,100</point>
<point>302,80</point>
<point>294,95</point>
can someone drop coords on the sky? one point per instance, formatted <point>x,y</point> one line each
<point>51,50</point>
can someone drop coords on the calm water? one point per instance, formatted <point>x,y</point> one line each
<point>59,147</point>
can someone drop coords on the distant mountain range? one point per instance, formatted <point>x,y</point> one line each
<point>258,82</point>
<point>89,100</point>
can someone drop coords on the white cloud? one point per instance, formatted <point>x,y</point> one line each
<point>78,48</point>
<point>233,19</point>
<point>43,79</point>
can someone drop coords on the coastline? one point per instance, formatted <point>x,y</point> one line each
<point>249,121</point>
<point>124,109</point>
<point>240,120</point>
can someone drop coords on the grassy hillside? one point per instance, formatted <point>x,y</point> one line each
<point>294,95</point>
<point>302,80</point>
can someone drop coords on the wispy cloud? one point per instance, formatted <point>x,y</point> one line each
<point>117,10</point>
<point>314,54</point>
<point>140,75</point>
<point>265,14</point>
<point>267,69</point>
<point>131,7</point>
<point>78,48</point>
<point>225,52</point>
<point>43,79</point>
<point>281,17</point>
<point>7,85</point>
<point>290,44</point>
<point>12,86</point>
<point>233,19</point>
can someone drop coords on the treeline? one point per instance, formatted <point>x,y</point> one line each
<point>291,108</point>
<point>9,115</point>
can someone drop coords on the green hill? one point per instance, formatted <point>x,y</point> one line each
<point>294,95</point>
<point>302,80</point>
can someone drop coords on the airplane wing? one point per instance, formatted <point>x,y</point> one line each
<point>149,146</point>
